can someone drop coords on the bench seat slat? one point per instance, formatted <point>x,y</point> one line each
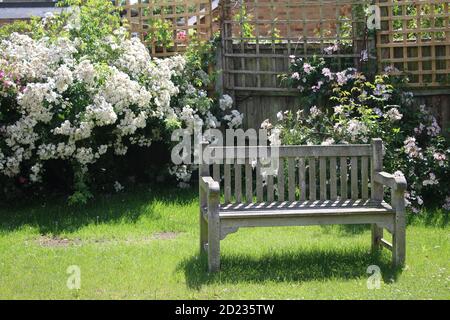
<point>305,204</point>
<point>307,208</point>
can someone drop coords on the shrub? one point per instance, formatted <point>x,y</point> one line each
<point>88,93</point>
<point>354,108</point>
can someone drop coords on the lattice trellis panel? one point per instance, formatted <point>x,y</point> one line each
<point>415,39</point>
<point>259,36</point>
<point>181,20</point>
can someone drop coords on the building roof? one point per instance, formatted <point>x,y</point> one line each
<point>26,10</point>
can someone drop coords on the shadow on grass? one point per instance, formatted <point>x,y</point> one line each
<point>288,267</point>
<point>54,215</point>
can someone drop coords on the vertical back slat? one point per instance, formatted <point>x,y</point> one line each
<point>270,189</point>
<point>354,177</point>
<point>376,189</point>
<point>280,180</point>
<point>333,179</point>
<point>312,178</point>
<point>343,179</point>
<point>323,178</point>
<point>291,179</point>
<point>238,183</point>
<point>364,177</point>
<point>259,186</point>
<point>302,178</point>
<point>249,182</point>
<point>216,172</point>
<point>227,182</point>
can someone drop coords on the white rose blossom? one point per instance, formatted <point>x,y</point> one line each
<point>74,97</point>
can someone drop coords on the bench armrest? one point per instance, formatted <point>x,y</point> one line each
<point>396,183</point>
<point>209,185</point>
<point>209,197</point>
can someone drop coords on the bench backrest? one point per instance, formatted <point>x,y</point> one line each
<point>307,172</point>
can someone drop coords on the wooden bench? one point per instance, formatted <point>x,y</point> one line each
<point>315,185</point>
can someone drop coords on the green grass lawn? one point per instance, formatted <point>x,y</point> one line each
<point>144,245</point>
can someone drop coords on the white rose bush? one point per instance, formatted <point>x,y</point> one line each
<point>77,97</point>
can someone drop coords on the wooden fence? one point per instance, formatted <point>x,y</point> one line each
<point>415,39</point>
<point>259,36</point>
<point>177,22</point>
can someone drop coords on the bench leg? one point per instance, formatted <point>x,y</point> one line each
<point>399,241</point>
<point>377,235</point>
<point>213,243</point>
<point>203,233</point>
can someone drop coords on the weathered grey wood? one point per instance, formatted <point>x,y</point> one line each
<point>377,166</point>
<point>217,221</point>
<point>291,179</point>
<point>307,211</point>
<point>270,188</point>
<point>259,183</point>
<point>248,182</point>
<point>377,236</point>
<point>302,205</point>
<point>386,244</point>
<point>333,179</point>
<point>399,235</point>
<point>323,178</point>
<point>280,180</point>
<point>344,179</point>
<point>227,182</point>
<point>389,180</point>
<point>216,172</point>
<point>348,150</point>
<point>238,183</point>
<point>203,195</point>
<point>302,178</point>
<point>224,231</point>
<point>364,177</point>
<point>213,227</point>
<point>382,219</point>
<point>312,178</point>
<point>354,177</point>
<point>376,188</point>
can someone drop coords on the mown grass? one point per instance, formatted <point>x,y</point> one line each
<point>143,244</point>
